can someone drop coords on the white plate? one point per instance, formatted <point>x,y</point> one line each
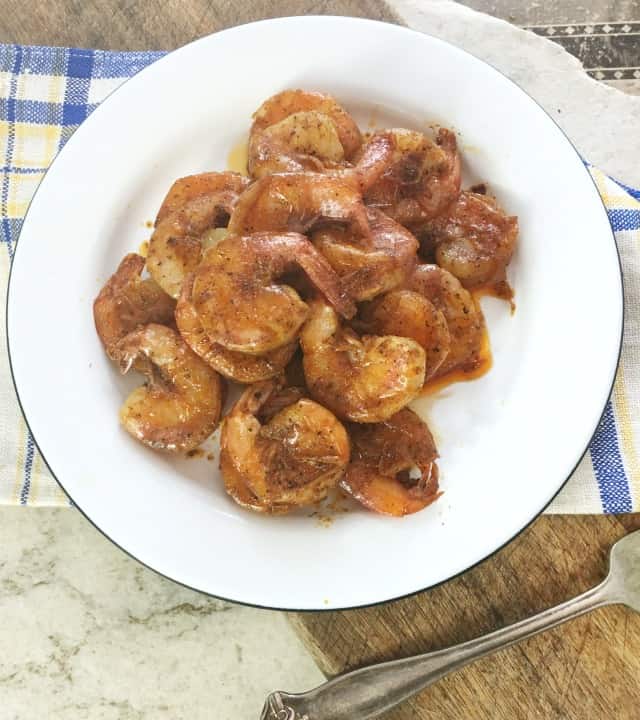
<point>508,441</point>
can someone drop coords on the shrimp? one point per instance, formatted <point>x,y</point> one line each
<point>292,458</point>
<point>298,130</point>
<point>226,186</point>
<point>364,379</point>
<point>238,366</point>
<point>194,204</point>
<point>277,401</point>
<point>464,317</point>
<point>423,179</point>
<point>407,314</point>
<point>181,404</point>
<point>367,271</point>
<point>384,459</point>
<point>300,201</point>
<point>127,301</point>
<point>240,303</point>
<point>373,161</point>
<point>296,202</point>
<point>302,141</point>
<point>475,240</point>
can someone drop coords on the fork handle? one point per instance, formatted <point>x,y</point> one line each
<point>371,691</point>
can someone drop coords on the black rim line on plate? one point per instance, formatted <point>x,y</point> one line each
<point>314,18</point>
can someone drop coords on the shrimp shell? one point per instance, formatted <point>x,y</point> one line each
<point>194,204</point>
<point>239,300</point>
<point>364,379</point>
<point>297,202</point>
<point>181,404</point>
<point>464,317</point>
<point>382,459</point>
<point>286,103</point>
<point>475,240</point>
<point>225,186</point>
<point>292,459</point>
<point>373,268</point>
<point>127,301</point>
<point>423,179</point>
<point>238,366</point>
<point>302,141</point>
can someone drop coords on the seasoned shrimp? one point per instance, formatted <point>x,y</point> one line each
<point>474,240</point>
<point>181,403</point>
<point>375,158</point>
<point>298,130</point>
<point>287,102</point>
<point>193,205</point>
<point>408,314</point>
<point>281,399</point>
<point>302,141</point>
<point>464,317</point>
<point>423,179</point>
<point>373,268</point>
<point>238,366</point>
<point>300,201</point>
<point>239,300</point>
<point>365,379</point>
<point>292,458</point>
<point>393,466</point>
<point>296,202</point>
<point>225,186</point>
<point>127,301</point>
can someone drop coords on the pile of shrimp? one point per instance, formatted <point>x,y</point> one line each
<point>333,280</point>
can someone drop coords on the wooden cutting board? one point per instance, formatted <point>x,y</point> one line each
<point>588,669</point>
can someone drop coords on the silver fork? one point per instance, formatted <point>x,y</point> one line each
<point>371,691</point>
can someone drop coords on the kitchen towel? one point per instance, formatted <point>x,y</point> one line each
<point>45,93</point>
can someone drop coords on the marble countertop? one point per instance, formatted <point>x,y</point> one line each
<point>87,632</point>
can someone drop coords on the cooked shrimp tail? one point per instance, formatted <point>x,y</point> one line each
<point>393,467</point>
<point>127,301</point>
<point>321,274</point>
<point>181,403</point>
<point>370,268</point>
<point>194,205</point>
<point>375,159</point>
<point>298,202</point>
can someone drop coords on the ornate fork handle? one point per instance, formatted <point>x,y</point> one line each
<point>275,709</point>
<point>371,691</point>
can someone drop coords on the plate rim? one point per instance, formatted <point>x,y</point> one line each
<point>360,21</point>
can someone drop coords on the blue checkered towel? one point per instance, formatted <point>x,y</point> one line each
<point>45,93</point>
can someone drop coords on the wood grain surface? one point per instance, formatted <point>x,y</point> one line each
<point>588,669</point>
<point>154,24</point>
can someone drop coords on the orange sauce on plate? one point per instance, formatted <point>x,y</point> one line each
<point>238,157</point>
<point>484,364</point>
<point>501,291</point>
